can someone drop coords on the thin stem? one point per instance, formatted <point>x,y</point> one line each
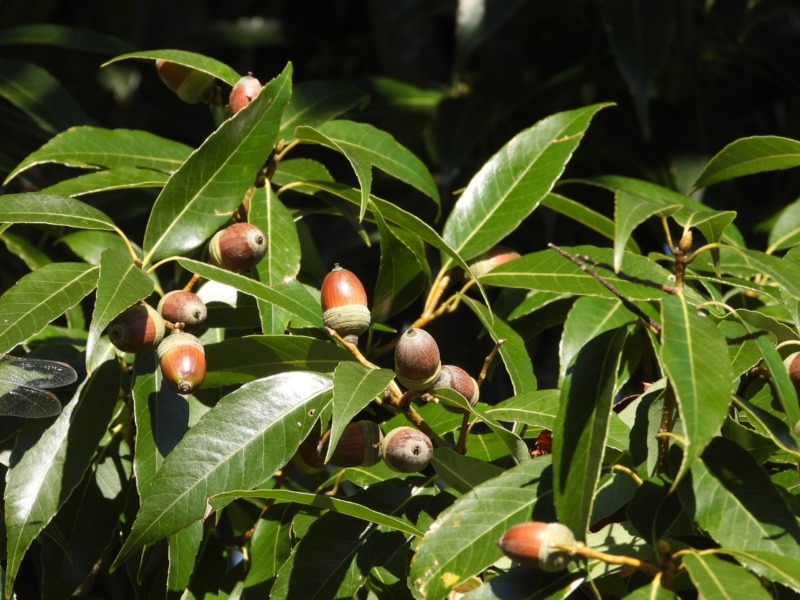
<point>584,551</point>
<point>705,248</point>
<point>629,472</point>
<point>161,262</point>
<point>279,156</point>
<point>665,426</point>
<point>488,360</point>
<point>463,434</point>
<point>191,283</point>
<point>136,260</point>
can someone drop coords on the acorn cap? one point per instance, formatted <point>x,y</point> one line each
<point>137,328</point>
<point>406,450</point>
<point>344,304</point>
<point>417,362</point>
<point>533,544</point>
<point>183,361</point>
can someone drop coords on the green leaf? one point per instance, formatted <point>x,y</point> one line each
<point>402,274</point>
<point>120,285</point>
<point>270,546</point>
<point>90,245</point>
<point>750,155</point>
<point>244,359</point>
<point>19,246</point>
<point>354,387</point>
<point>773,566</point>
<point>512,183</point>
<point>585,216</point>
<point>40,297</point>
<point>39,95</point>
<point>238,444</point>
<point>588,318</point>
<point>112,179</point>
<point>630,211</point>
<point>93,147</point>
<point>290,296</point>
<point>537,408</point>
<point>190,59</point>
<point>728,486</point>
<point>324,502</point>
<point>314,102</point>
<point>282,260</point>
<point>61,36</point>
<point>785,232</point>
<point>547,270</point>
<point>640,35</point>
<point>657,193</point>
<point>460,472</point>
<point>462,540</point>
<point>694,356</point>
<point>53,210</point>
<point>716,578</point>
<point>365,147</point>
<point>581,428</point>
<point>785,273</point>
<point>202,194</point>
<point>513,352</point>
<point>183,548</point>
<point>49,461</point>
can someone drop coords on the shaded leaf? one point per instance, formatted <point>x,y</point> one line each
<point>49,461</point>
<point>238,444</point>
<point>201,195</point>
<point>640,35</point>
<point>314,102</point>
<point>244,359</point>
<point>581,428</point>
<point>183,548</point>
<point>40,297</point>
<point>460,472</point>
<point>61,36</point>
<point>537,408</point>
<point>39,95</point>
<point>513,182</point>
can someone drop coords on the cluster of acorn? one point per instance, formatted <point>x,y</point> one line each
<point>180,354</point>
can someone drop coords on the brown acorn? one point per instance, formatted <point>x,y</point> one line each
<point>792,364</point>
<point>137,328</point>
<point>307,457</point>
<point>459,380</point>
<point>189,84</point>
<point>358,446</point>
<point>181,306</point>
<point>238,247</point>
<point>416,360</point>
<point>406,450</point>
<point>244,92</point>
<point>344,304</point>
<point>494,257</point>
<point>183,361</point>
<point>533,544</point>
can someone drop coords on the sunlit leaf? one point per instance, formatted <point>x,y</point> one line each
<point>750,155</point>
<point>190,59</point>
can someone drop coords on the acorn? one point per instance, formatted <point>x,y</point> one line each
<point>494,257</point>
<point>244,92</point>
<point>183,361</point>
<point>344,304</point>
<point>358,446</point>
<point>406,450</point>
<point>137,328</point>
<point>307,457</point>
<point>191,85</point>
<point>416,360</point>
<point>181,306</point>
<point>459,380</point>
<point>792,364</point>
<point>533,544</point>
<point>238,247</point>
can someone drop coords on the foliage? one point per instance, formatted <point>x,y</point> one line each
<point>675,424</point>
